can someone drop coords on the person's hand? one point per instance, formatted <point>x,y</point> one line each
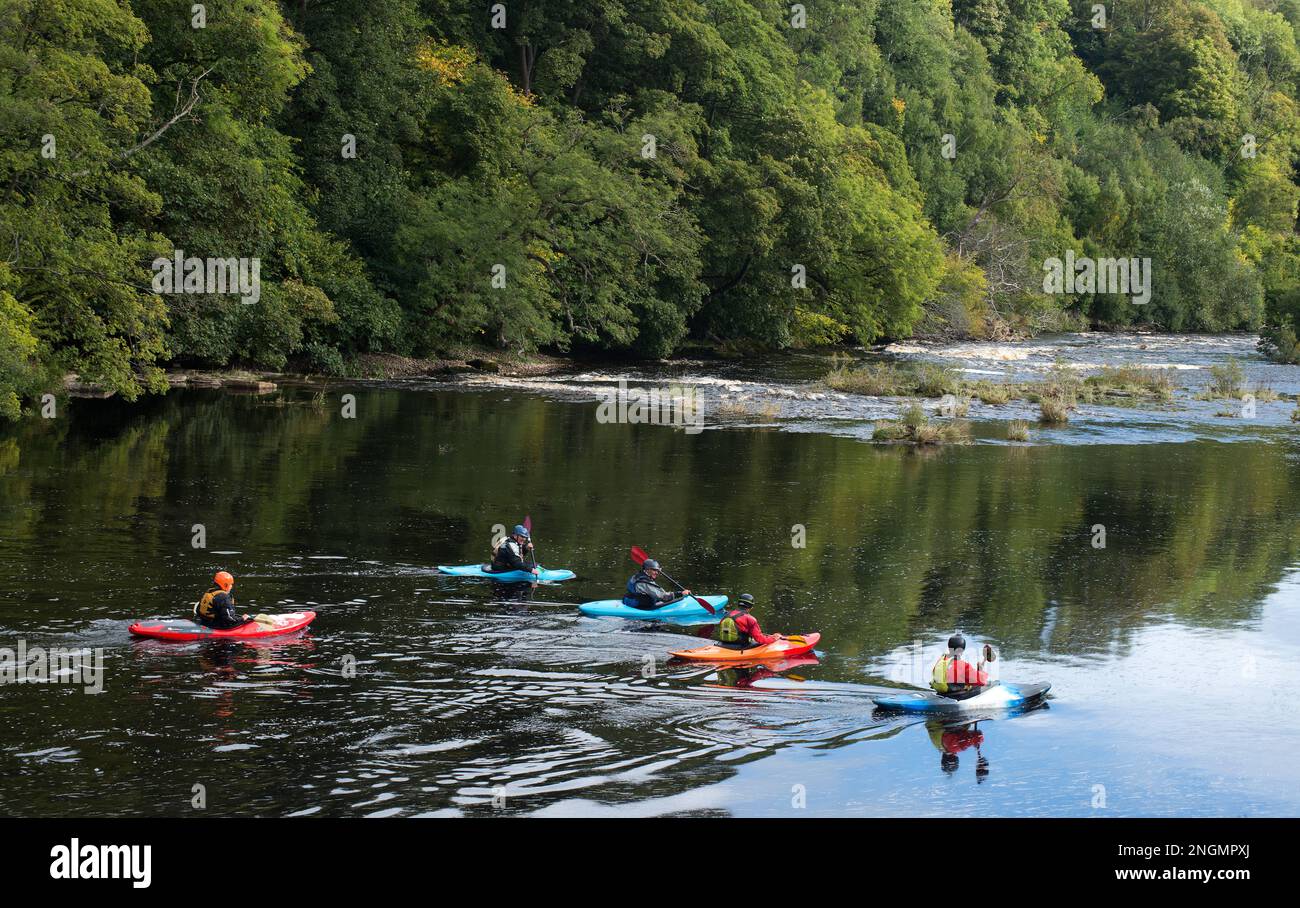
<point>537,571</point>
<point>686,592</point>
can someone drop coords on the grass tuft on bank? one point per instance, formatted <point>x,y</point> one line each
<point>914,427</point>
<point>1062,388</point>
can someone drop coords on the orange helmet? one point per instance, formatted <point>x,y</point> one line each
<point>224,580</point>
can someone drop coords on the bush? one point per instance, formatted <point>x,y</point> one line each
<point>1280,344</point>
<point>1017,430</point>
<point>1054,411</point>
<point>996,393</point>
<point>873,380</point>
<point>915,427</point>
<point>1134,380</point>
<point>812,329</point>
<point>1226,379</point>
<point>889,380</point>
<point>322,359</point>
<point>934,380</point>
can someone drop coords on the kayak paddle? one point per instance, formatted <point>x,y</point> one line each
<point>532,550</point>
<point>640,557</point>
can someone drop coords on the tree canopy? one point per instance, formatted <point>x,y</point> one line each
<point>628,175</point>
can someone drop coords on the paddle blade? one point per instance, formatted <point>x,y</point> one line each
<point>639,555</point>
<point>528,523</point>
<point>707,607</point>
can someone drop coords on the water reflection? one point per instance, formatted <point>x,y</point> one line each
<point>951,738</point>
<point>471,698</point>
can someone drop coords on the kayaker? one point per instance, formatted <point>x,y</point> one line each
<point>954,677</point>
<point>644,591</point>
<point>509,553</point>
<point>738,629</point>
<point>216,608</point>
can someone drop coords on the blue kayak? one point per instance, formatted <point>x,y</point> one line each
<point>1000,695</point>
<point>477,570</point>
<point>685,608</point>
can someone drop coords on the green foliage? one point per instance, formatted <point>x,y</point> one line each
<point>1280,344</point>
<point>914,427</point>
<point>873,380</point>
<point>74,287</point>
<point>1133,381</point>
<point>628,176</point>
<point>888,380</point>
<point>1226,380</point>
<point>1017,430</point>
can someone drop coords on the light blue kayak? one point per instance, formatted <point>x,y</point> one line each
<point>1001,695</point>
<point>476,570</point>
<point>685,608</point>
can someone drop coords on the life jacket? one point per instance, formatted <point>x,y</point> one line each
<point>632,597</point>
<point>730,633</point>
<point>943,678</point>
<point>939,675</point>
<point>499,563</point>
<point>203,608</point>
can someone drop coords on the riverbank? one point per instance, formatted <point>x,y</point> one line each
<point>1130,387</point>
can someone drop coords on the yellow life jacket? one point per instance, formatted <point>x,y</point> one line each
<point>939,675</point>
<point>204,607</point>
<point>730,632</point>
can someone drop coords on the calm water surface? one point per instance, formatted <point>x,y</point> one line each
<point>1171,651</point>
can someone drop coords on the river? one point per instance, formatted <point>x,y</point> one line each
<point>1171,649</point>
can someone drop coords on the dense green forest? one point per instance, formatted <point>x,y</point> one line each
<point>628,175</point>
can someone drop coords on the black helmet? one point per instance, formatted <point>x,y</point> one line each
<point>745,600</point>
<point>650,565</point>
<point>956,641</point>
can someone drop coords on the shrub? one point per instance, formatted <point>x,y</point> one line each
<point>1133,380</point>
<point>996,393</point>
<point>914,416</point>
<point>934,380</point>
<point>1280,344</point>
<point>1226,379</point>
<point>1054,411</point>
<point>915,427</point>
<point>873,380</point>
<point>890,380</point>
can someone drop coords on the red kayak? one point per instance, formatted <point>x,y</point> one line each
<point>779,649</point>
<point>182,629</point>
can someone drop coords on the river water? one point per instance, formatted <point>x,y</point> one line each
<point>1172,650</point>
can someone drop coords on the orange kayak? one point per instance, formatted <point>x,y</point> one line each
<point>784,646</point>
